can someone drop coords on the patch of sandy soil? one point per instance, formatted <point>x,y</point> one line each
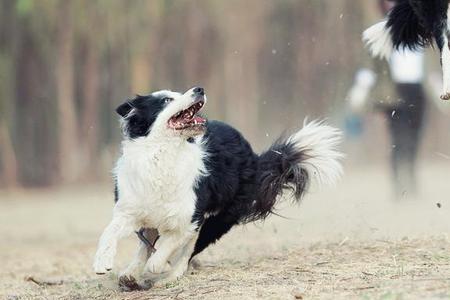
<point>348,242</point>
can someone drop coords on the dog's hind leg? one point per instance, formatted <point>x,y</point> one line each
<point>212,230</point>
<point>120,226</point>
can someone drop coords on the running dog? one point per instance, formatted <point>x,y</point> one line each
<point>192,180</point>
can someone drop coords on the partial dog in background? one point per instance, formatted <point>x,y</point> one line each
<point>414,24</point>
<point>193,180</point>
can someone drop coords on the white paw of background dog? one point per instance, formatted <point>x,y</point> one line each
<point>445,96</point>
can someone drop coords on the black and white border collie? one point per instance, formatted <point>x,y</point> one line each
<point>193,179</point>
<point>414,24</point>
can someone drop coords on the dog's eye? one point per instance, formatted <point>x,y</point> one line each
<point>168,99</point>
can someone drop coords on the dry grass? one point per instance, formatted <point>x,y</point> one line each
<point>405,269</point>
<point>346,243</point>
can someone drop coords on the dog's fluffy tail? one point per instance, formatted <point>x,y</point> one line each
<point>292,163</point>
<point>378,39</point>
<point>402,29</point>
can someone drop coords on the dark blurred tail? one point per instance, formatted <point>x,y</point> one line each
<point>403,28</point>
<point>291,163</point>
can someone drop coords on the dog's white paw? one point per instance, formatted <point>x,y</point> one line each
<point>133,270</point>
<point>445,96</point>
<point>195,264</point>
<point>176,273</point>
<point>157,266</point>
<point>103,263</point>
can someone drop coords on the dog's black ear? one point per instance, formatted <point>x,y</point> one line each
<point>124,109</point>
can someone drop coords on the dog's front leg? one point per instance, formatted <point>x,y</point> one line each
<point>119,227</point>
<point>165,248</point>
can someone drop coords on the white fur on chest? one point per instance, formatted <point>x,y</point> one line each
<point>156,181</point>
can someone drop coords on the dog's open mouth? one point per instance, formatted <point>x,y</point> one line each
<point>188,118</point>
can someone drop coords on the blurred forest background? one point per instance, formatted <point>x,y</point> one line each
<point>66,65</point>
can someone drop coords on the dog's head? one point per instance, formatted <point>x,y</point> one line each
<point>164,113</point>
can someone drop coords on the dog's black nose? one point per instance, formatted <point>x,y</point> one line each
<point>199,91</point>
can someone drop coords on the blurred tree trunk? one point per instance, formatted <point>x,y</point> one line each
<point>8,161</point>
<point>8,157</point>
<point>146,55</point>
<point>34,130</point>
<point>241,64</point>
<point>67,137</point>
<point>90,110</point>
<point>140,73</point>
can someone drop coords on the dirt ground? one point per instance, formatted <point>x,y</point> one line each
<point>348,242</point>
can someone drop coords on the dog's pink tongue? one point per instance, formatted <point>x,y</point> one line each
<point>199,119</point>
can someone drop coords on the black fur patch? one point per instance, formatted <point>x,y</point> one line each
<point>140,113</point>
<point>415,23</point>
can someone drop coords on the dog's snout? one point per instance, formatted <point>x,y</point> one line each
<point>199,91</point>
